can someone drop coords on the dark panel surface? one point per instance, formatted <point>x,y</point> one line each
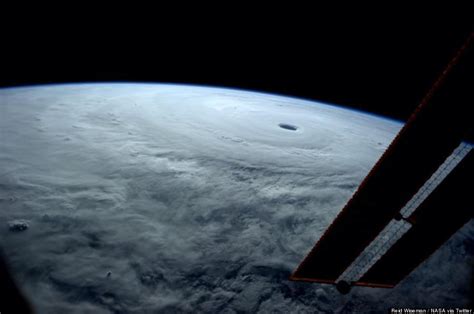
<point>446,210</point>
<point>434,130</point>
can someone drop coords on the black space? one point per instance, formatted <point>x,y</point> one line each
<point>383,65</point>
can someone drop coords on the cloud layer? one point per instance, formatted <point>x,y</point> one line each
<point>142,198</point>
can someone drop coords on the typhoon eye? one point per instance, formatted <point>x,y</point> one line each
<point>287,126</point>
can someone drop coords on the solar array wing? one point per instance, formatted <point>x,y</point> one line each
<point>436,128</point>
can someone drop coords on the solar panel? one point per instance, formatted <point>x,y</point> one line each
<point>447,209</point>
<point>430,136</point>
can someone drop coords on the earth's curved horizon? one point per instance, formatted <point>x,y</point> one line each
<point>144,198</point>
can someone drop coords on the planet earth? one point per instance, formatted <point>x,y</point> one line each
<point>160,198</point>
